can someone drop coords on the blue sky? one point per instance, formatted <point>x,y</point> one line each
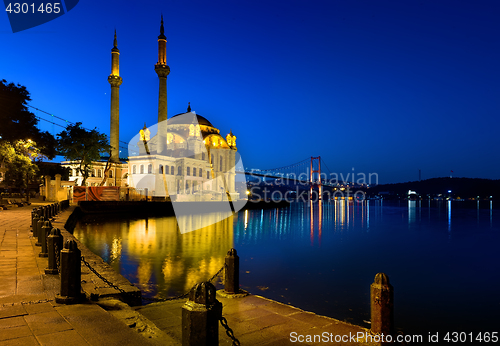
<point>386,87</point>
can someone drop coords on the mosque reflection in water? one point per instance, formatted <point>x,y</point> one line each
<point>155,256</point>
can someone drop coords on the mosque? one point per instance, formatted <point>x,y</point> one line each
<point>182,158</point>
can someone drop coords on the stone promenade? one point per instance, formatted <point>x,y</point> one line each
<point>30,316</point>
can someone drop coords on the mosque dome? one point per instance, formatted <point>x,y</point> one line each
<point>185,119</point>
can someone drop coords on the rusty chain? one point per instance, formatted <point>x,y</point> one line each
<point>184,295</point>
<point>229,331</point>
<point>58,263</point>
<point>109,283</point>
<point>27,303</point>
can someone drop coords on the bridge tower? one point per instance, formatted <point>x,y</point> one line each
<point>314,182</point>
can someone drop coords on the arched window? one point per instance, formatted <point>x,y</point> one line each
<point>187,171</point>
<point>99,173</point>
<point>172,170</point>
<point>200,172</point>
<point>203,156</point>
<point>194,171</point>
<point>134,169</point>
<point>179,170</point>
<point>220,163</point>
<point>142,169</point>
<point>150,168</point>
<point>161,169</point>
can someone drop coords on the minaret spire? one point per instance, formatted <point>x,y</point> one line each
<point>115,44</point>
<point>115,80</point>
<point>162,70</point>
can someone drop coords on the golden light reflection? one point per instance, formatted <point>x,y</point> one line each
<point>153,252</point>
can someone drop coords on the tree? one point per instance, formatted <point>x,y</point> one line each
<point>79,145</point>
<point>20,124</point>
<point>18,160</point>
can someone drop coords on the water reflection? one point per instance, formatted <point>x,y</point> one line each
<point>155,256</point>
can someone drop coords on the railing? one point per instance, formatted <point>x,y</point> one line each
<point>202,312</point>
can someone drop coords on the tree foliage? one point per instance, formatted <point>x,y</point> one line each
<point>17,159</point>
<point>83,146</point>
<point>20,124</point>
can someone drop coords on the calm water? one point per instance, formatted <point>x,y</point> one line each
<point>442,258</point>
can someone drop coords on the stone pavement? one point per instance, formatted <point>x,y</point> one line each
<point>30,316</point>
<point>28,312</point>
<point>257,321</point>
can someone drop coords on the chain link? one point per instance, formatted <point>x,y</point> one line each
<point>229,331</point>
<point>58,262</point>
<point>109,283</point>
<point>184,295</point>
<point>31,302</point>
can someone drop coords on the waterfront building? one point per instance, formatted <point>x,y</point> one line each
<point>183,156</point>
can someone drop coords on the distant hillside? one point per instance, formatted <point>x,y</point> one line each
<point>460,187</point>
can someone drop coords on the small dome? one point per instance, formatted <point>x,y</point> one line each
<point>186,119</point>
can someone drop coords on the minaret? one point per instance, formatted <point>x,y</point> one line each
<point>162,70</point>
<point>115,80</point>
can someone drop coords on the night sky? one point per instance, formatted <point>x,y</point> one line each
<point>387,87</point>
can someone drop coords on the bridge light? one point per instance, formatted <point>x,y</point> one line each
<point>247,192</point>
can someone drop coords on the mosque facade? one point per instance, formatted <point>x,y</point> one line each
<point>181,158</point>
<point>184,157</point>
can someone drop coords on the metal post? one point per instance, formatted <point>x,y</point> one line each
<point>33,212</point>
<point>382,305</point>
<point>71,273</point>
<point>200,317</point>
<point>34,223</point>
<point>55,245</point>
<point>232,272</point>
<point>43,238</point>
<point>39,225</point>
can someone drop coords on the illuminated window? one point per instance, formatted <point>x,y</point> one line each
<point>161,169</point>
<point>194,171</point>
<point>142,169</point>
<point>134,169</point>
<point>187,171</point>
<point>172,170</point>
<point>150,168</point>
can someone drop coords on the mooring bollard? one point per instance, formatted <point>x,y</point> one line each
<point>33,213</point>
<point>232,272</point>
<point>34,222</point>
<point>200,317</point>
<point>39,226</point>
<point>43,239</point>
<point>71,273</point>
<point>55,245</point>
<point>382,305</point>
